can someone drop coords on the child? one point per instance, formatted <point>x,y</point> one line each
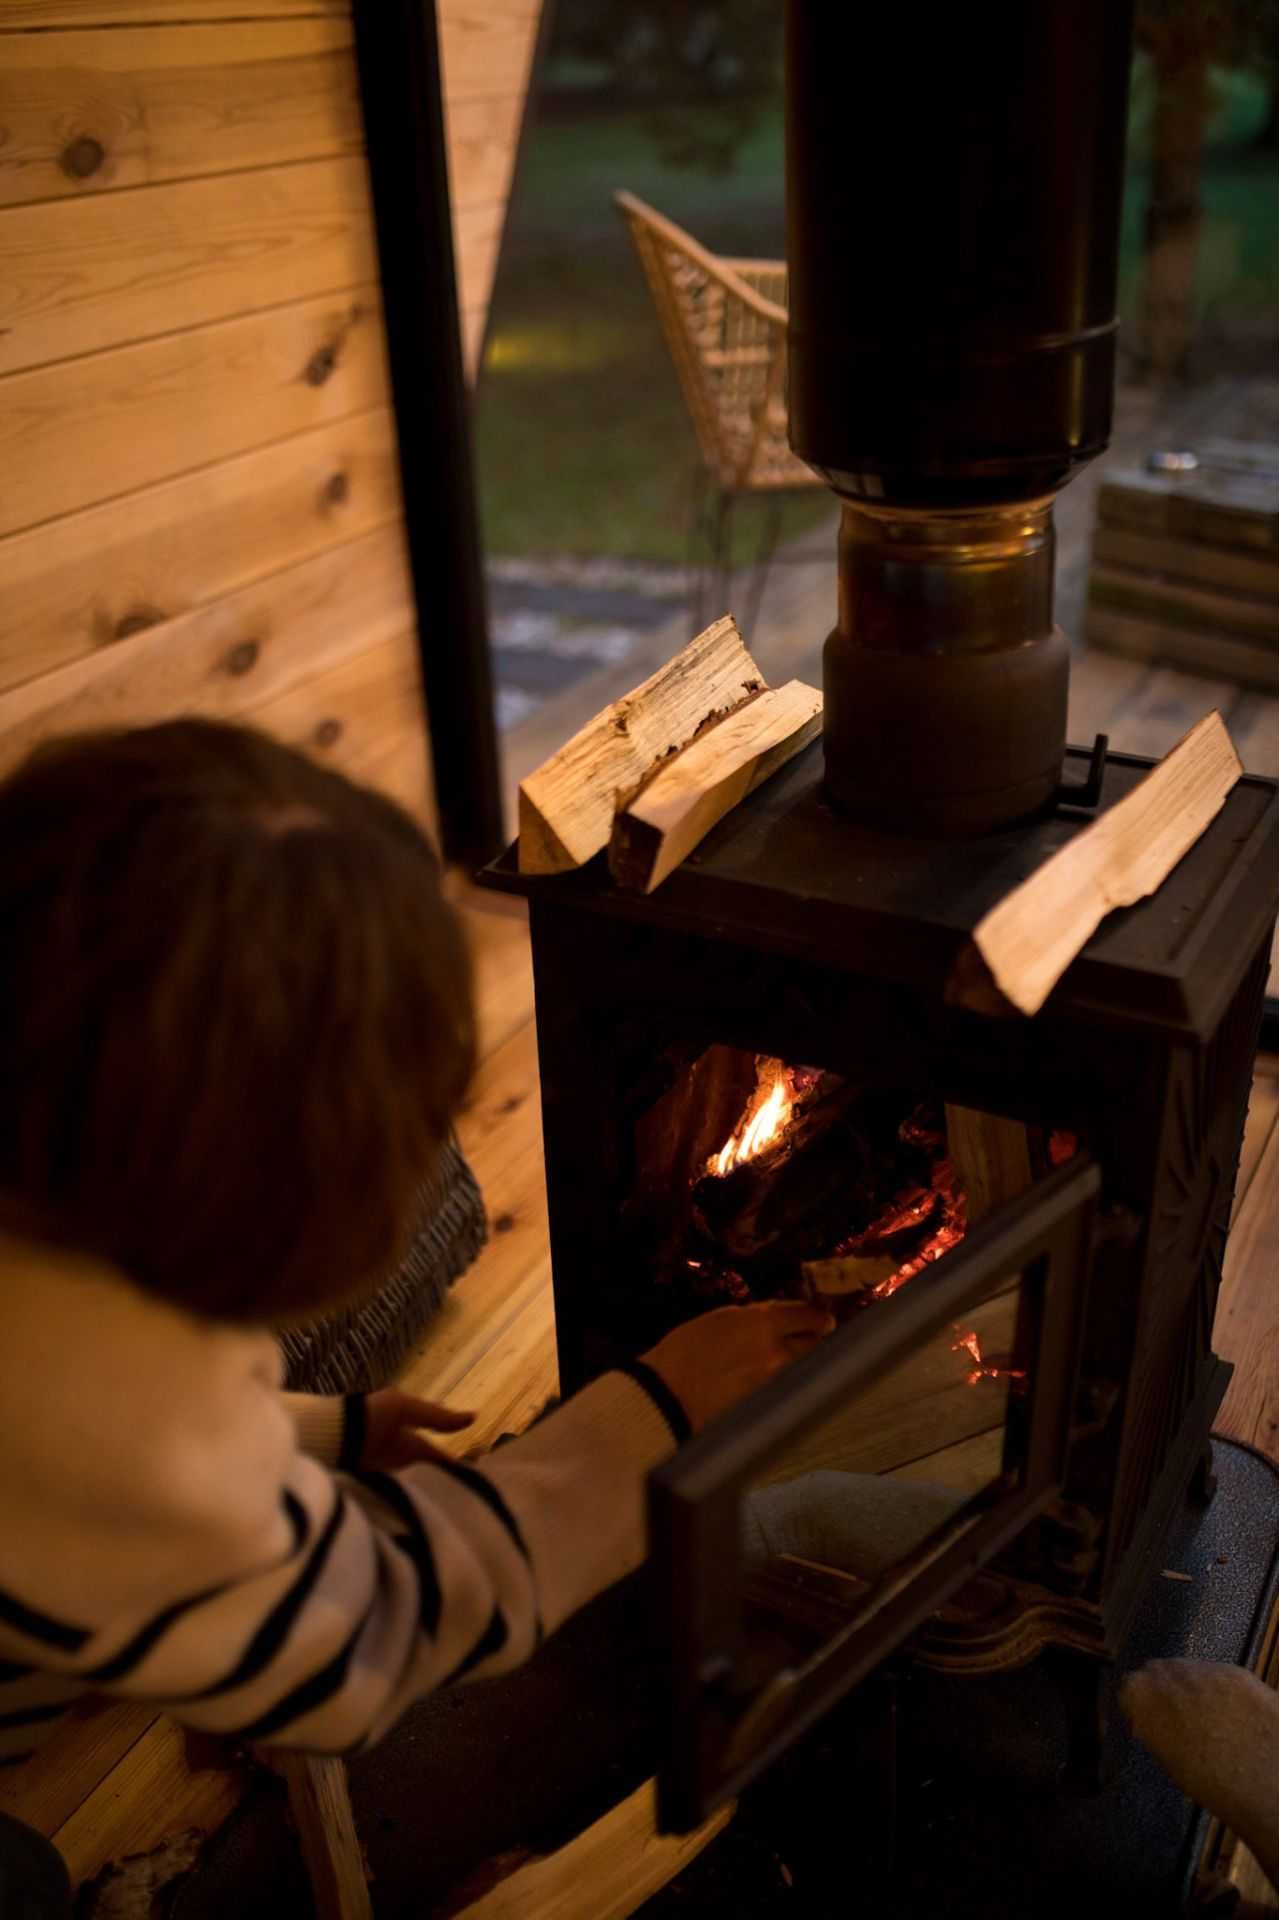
<point>235,1022</point>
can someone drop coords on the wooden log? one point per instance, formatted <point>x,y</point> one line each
<point>676,1136</point>
<point>840,1282</point>
<point>567,807</point>
<point>695,790</point>
<point>1032,936</point>
<point>991,1155</point>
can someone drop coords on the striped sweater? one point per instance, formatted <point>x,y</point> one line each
<point>172,1528</point>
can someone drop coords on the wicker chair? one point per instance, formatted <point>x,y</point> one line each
<point>724,322</point>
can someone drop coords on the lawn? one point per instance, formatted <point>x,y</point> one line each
<point>583,444</point>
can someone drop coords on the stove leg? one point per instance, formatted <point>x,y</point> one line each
<point>1088,1691</point>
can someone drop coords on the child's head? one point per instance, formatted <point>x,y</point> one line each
<point>235,1016</point>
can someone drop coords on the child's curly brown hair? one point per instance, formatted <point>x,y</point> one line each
<point>235,1016</point>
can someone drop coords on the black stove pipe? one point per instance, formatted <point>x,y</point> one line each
<point>954,183</point>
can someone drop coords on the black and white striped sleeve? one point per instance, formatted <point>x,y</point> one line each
<point>366,1591</point>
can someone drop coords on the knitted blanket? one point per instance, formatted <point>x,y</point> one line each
<point>359,1349</point>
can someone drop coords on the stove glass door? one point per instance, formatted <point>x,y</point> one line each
<point>800,1538</point>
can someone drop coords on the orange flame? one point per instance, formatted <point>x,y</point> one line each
<point>759,1128</point>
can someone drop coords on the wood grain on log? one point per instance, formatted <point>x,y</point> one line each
<point>695,790</point>
<point>1035,932</point>
<point>568,806</point>
<point>991,1155</point>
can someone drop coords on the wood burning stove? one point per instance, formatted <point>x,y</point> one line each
<point>796,935</point>
<point>996,1439</point>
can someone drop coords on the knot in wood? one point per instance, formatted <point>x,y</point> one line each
<point>321,364</point>
<point>136,620</point>
<point>82,157</point>
<point>337,488</point>
<point>328,733</point>
<point>244,657</point>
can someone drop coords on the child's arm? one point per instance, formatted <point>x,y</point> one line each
<point>162,1536</point>
<point>248,1591</point>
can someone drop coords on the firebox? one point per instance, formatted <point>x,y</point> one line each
<point>779,1074</point>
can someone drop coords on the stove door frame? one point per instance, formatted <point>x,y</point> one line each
<point>715,1737</point>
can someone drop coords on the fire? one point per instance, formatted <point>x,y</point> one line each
<point>970,1343</point>
<point>951,1214</point>
<point>758,1129</point>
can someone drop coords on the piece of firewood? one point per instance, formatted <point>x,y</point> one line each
<point>991,1155</point>
<point>1035,932</point>
<point>692,792</point>
<point>839,1283</point>
<point>567,807</point>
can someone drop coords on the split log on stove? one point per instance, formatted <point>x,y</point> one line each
<point>686,796</point>
<point>568,806</point>
<point>651,774</point>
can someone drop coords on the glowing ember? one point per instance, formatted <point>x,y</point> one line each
<point>760,1127</point>
<point>970,1343</point>
<point>1062,1146</point>
<point>950,1230</point>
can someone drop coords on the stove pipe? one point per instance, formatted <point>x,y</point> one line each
<point>954,181</point>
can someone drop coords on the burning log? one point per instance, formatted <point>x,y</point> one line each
<point>844,1282</point>
<point>567,807</point>
<point>798,1168</point>
<point>904,1215</point>
<point>689,794</point>
<point>676,1137</point>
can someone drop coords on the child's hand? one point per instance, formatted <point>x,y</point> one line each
<point>393,1423</point>
<point>712,1362</point>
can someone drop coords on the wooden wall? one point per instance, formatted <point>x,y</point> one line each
<point>199,496</point>
<point>199,493</point>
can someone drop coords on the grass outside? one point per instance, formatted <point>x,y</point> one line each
<point>583,444</point>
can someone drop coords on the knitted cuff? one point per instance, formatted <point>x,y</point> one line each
<point>660,1394</point>
<point>355,1422</point>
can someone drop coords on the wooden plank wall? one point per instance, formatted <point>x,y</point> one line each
<point>199,496</point>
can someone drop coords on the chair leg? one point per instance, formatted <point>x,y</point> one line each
<point>320,1803</point>
<point>722,554</point>
<point>769,532</point>
<point>698,535</point>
